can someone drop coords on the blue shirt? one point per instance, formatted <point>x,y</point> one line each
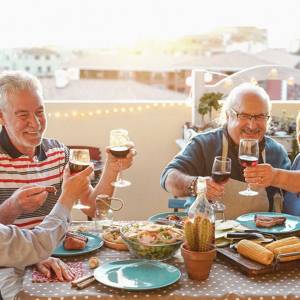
<point>197,158</point>
<point>291,204</point>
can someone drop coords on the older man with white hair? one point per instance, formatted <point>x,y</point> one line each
<point>28,161</point>
<point>245,112</point>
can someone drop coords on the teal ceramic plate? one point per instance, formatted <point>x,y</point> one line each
<point>164,215</point>
<point>292,223</point>
<point>137,274</point>
<point>94,243</point>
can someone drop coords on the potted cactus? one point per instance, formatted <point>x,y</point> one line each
<point>198,250</point>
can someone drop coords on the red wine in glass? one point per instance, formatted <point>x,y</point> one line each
<point>220,173</point>
<point>220,177</point>
<point>248,156</point>
<point>248,160</point>
<point>119,151</point>
<point>77,166</point>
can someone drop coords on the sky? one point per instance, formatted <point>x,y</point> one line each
<point>99,23</point>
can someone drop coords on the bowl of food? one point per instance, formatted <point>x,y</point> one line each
<point>152,241</point>
<point>112,239</point>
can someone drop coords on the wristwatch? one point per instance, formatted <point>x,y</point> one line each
<point>192,188</point>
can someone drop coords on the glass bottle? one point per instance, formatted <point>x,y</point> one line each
<point>202,207</point>
<point>103,213</point>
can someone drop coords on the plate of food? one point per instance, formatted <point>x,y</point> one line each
<point>270,222</point>
<point>169,218</point>
<point>77,244</point>
<point>112,239</point>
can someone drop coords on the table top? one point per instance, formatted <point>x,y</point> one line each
<point>225,282</point>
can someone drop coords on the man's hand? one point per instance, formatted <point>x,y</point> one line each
<point>214,191</point>
<point>74,186</point>
<point>60,269</point>
<point>28,198</point>
<point>119,164</point>
<point>261,175</point>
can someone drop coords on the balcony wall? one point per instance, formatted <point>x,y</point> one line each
<point>154,129</point>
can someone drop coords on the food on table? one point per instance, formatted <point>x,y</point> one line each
<point>286,246</point>
<point>152,241</point>
<point>167,220</point>
<point>93,262</point>
<point>283,242</point>
<point>51,189</point>
<point>113,235</point>
<point>268,222</point>
<point>75,241</point>
<point>255,252</point>
<point>226,225</point>
<point>288,249</point>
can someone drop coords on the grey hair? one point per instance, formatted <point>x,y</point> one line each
<point>15,81</point>
<point>243,88</point>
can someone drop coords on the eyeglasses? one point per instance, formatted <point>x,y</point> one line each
<point>247,117</point>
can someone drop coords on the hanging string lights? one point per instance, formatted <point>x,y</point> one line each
<point>100,112</point>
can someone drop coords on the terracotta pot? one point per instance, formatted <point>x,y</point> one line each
<point>198,264</point>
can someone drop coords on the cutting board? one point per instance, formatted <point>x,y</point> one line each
<point>252,268</point>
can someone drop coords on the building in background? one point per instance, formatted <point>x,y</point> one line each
<point>41,62</point>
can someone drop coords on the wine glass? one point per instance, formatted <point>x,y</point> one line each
<point>118,141</point>
<point>221,171</point>
<point>248,156</point>
<point>79,160</point>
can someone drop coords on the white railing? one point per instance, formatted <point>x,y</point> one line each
<point>199,85</point>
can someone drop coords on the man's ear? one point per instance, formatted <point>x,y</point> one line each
<point>1,118</point>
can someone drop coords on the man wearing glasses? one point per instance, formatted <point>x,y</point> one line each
<point>245,114</point>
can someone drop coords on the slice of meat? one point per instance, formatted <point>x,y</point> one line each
<point>77,236</point>
<point>73,243</point>
<point>267,221</point>
<point>51,189</point>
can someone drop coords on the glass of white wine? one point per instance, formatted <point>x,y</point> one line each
<point>79,160</point>
<point>118,141</point>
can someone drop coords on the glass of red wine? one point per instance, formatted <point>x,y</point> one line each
<point>221,171</point>
<point>79,160</point>
<point>248,156</point>
<point>118,141</point>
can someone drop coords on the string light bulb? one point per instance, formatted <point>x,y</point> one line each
<point>273,74</point>
<point>253,81</point>
<point>208,77</point>
<point>291,81</point>
<point>228,83</point>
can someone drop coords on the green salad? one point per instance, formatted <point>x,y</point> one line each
<point>152,241</point>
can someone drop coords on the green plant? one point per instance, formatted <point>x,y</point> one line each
<point>199,234</point>
<point>208,102</point>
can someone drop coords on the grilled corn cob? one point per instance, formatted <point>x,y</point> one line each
<point>283,242</point>
<point>255,252</point>
<point>288,249</point>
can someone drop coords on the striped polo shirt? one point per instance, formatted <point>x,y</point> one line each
<point>45,168</point>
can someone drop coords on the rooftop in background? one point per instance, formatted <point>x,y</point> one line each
<point>96,89</point>
<point>230,61</point>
